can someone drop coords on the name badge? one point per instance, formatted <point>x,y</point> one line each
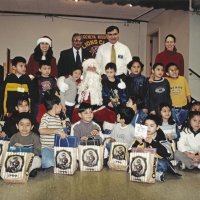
<point>20,89</point>
<point>120,56</point>
<point>140,131</point>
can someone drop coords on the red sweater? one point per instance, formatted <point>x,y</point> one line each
<point>166,57</point>
<point>33,67</point>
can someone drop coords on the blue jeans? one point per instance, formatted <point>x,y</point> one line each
<point>163,165</point>
<point>47,157</point>
<point>179,115</point>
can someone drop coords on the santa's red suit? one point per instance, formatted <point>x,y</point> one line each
<point>90,91</point>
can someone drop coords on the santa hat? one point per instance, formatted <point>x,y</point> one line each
<point>44,39</point>
<point>91,62</point>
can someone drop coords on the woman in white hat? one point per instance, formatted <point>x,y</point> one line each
<point>43,51</point>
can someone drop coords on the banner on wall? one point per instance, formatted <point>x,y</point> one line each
<point>91,42</point>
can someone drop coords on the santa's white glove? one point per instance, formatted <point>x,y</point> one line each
<point>121,85</point>
<point>62,86</point>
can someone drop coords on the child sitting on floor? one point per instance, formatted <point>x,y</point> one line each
<point>25,137</point>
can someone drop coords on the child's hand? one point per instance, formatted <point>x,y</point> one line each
<point>149,140</point>
<point>62,134</point>
<point>18,145</point>
<point>94,132</point>
<point>139,139</point>
<point>112,140</point>
<point>169,137</point>
<point>190,155</point>
<point>2,134</point>
<point>110,104</point>
<point>196,158</point>
<point>84,138</point>
<point>153,112</point>
<point>145,110</point>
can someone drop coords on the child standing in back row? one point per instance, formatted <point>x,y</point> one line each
<point>158,90</point>
<point>180,93</point>
<point>136,82</point>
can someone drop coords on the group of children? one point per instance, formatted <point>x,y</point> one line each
<point>33,108</point>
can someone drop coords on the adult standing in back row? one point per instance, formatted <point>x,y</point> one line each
<point>73,57</point>
<point>170,54</point>
<point>114,51</point>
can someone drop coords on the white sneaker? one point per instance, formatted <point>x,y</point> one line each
<point>182,166</point>
<point>160,176</point>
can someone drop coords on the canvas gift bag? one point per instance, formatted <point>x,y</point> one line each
<point>118,158</point>
<point>143,165</point>
<point>3,149</point>
<point>65,154</point>
<point>90,157</point>
<point>16,165</point>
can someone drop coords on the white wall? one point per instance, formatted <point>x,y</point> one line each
<point>194,54</point>
<point>20,33</point>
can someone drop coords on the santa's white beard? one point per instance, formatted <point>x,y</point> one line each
<point>90,86</point>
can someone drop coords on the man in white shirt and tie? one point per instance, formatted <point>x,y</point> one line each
<point>114,51</point>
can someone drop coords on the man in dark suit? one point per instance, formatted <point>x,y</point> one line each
<point>73,57</point>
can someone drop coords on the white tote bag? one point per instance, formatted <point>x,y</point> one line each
<point>118,157</point>
<point>3,149</point>
<point>143,165</point>
<point>16,165</point>
<point>65,160</point>
<point>90,157</point>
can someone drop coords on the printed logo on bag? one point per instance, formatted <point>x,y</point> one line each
<point>14,163</point>
<point>63,159</point>
<point>90,157</point>
<point>138,166</point>
<point>119,152</point>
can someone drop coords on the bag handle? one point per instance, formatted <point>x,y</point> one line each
<point>63,139</point>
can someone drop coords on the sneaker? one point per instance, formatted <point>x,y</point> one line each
<point>160,176</point>
<point>33,173</point>
<point>198,166</point>
<point>182,166</point>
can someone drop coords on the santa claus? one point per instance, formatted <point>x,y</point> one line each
<point>90,91</point>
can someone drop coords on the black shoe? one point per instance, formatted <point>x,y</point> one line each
<point>105,162</point>
<point>33,173</point>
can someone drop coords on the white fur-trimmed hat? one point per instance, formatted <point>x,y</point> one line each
<point>45,39</point>
<point>91,62</point>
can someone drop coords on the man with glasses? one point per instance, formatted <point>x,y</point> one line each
<point>73,57</point>
<point>114,51</point>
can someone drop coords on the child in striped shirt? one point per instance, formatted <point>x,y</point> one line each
<point>50,125</point>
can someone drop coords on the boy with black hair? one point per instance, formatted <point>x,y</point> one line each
<point>158,90</point>
<point>113,88</point>
<point>86,127</point>
<point>123,131</point>
<point>136,104</point>
<point>43,83</point>
<point>154,139</point>
<point>9,128</point>
<point>180,93</point>
<point>50,125</point>
<point>25,137</point>
<point>16,84</point>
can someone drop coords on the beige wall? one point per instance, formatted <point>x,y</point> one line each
<point>19,33</point>
<point>171,22</point>
<point>194,54</point>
